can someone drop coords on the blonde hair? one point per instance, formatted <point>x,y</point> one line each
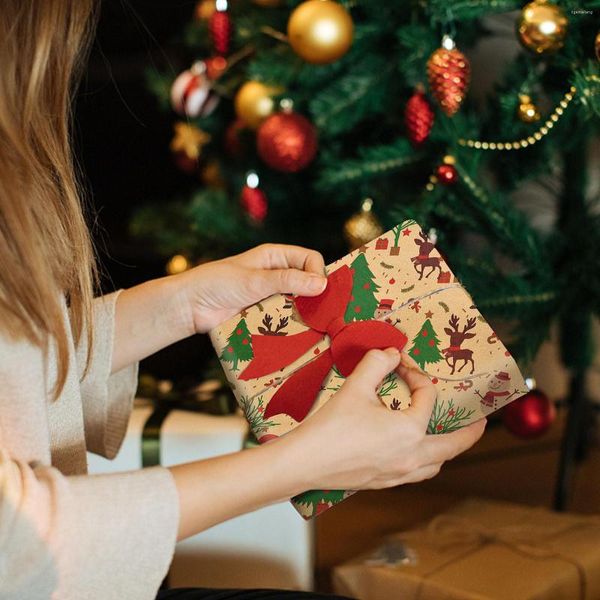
<point>45,247</point>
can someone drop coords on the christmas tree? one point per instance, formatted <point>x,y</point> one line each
<point>295,128</point>
<point>425,346</point>
<point>239,345</point>
<point>363,302</point>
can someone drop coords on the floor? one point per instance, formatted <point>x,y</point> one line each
<point>500,467</point>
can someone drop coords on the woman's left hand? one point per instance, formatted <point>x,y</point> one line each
<point>216,291</point>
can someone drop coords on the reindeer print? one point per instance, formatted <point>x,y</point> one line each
<point>268,322</point>
<point>423,260</point>
<point>454,352</point>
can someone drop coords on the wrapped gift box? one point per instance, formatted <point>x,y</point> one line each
<point>483,550</point>
<point>286,356</point>
<point>270,547</point>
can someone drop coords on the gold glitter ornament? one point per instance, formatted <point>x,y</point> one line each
<point>528,112</point>
<point>362,227</point>
<point>542,27</point>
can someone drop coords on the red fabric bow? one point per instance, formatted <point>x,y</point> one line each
<point>324,314</point>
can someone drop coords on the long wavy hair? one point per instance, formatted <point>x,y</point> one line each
<point>46,254</point>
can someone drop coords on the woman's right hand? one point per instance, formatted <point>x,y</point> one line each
<point>355,442</point>
<point>352,442</point>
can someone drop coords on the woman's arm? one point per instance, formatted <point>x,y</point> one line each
<point>158,313</point>
<point>352,442</point>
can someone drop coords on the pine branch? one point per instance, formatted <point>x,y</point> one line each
<point>464,10</point>
<point>345,102</point>
<point>376,161</point>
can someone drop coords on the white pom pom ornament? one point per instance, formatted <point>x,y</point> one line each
<point>192,94</point>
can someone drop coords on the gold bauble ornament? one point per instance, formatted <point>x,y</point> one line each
<point>542,27</point>
<point>597,46</point>
<point>204,10</point>
<point>254,102</point>
<point>177,264</point>
<point>320,31</point>
<point>528,112</point>
<point>362,227</point>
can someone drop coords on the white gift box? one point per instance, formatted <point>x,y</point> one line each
<point>271,547</point>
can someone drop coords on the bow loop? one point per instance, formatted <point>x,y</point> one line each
<point>349,342</point>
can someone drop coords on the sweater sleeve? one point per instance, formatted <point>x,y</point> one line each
<point>107,399</point>
<point>85,537</point>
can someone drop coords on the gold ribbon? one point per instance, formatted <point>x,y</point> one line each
<point>447,532</point>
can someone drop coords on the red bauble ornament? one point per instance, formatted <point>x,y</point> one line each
<point>191,93</point>
<point>418,117</point>
<point>220,28</point>
<point>529,416</point>
<point>449,74</point>
<point>254,202</point>
<point>287,142</point>
<point>447,174</point>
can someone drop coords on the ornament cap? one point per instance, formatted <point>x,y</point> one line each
<point>286,105</point>
<point>252,179</point>
<point>367,205</point>
<point>530,383</point>
<point>448,43</point>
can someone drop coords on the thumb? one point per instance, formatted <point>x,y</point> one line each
<point>292,281</point>
<point>374,366</point>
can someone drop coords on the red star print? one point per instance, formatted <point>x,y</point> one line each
<point>406,232</point>
<point>244,314</point>
<point>429,314</point>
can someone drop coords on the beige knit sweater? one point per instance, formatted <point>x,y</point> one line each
<point>64,534</point>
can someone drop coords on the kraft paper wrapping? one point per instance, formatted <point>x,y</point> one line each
<point>402,279</point>
<point>485,550</point>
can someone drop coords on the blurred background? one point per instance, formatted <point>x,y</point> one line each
<point>123,144</point>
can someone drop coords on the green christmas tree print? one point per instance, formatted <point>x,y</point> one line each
<point>239,345</point>
<point>320,500</point>
<point>425,346</point>
<point>363,303</point>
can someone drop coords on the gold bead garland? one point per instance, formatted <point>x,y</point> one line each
<point>529,140</point>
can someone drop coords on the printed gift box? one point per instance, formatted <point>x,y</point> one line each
<point>286,356</point>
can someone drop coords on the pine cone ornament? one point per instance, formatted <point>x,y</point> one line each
<point>418,117</point>
<point>449,74</point>
<point>220,28</point>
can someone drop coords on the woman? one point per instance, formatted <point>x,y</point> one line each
<point>68,365</point>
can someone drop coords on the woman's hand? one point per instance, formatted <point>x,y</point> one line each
<point>355,442</point>
<point>216,291</point>
<point>352,442</point>
<point>163,311</point>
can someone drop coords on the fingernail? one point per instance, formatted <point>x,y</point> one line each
<point>393,352</point>
<point>316,282</point>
